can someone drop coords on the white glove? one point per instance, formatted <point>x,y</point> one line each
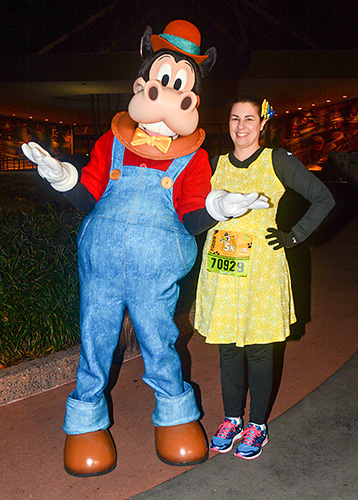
<point>260,202</point>
<point>222,205</point>
<point>61,175</point>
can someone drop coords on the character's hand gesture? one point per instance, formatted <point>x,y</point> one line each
<point>222,205</point>
<point>61,175</point>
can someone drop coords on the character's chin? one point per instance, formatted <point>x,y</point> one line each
<point>158,128</point>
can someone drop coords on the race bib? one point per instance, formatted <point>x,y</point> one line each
<point>229,253</point>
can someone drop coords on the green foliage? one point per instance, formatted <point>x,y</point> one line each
<point>39,290</point>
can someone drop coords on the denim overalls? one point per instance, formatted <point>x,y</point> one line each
<point>132,250</point>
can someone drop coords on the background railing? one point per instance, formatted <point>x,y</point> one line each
<point>12,163</point>
<point>217,141</point>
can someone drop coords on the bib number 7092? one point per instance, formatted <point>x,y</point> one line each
<point>222,265</point>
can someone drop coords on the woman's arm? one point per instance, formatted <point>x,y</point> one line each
<point>293,174</point>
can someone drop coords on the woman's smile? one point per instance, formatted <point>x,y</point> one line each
<point>245,127</point>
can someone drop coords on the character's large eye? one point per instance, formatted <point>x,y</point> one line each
<point>164,74</point>
<point>180,79</point>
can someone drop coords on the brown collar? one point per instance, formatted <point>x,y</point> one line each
<point>123,129</point>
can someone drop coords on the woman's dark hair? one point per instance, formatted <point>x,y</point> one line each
<point>255,101</point>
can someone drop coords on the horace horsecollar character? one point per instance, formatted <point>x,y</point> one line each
<point>148,183</point>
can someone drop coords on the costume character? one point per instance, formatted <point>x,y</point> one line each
<point>148,180</point>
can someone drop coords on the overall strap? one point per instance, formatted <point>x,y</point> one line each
<point>177,166</point>
<point>117,154</point>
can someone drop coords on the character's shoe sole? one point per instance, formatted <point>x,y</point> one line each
<point>91,475</point>
<point>253,456</point>
<point>197,462</point>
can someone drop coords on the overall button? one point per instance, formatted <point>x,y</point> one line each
<point>115,174</point>
<point>166,182</point>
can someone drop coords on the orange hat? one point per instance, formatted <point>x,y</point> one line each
<point>180,36</point>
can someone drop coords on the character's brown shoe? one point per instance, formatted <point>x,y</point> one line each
<point>183,444</point>
<point>90,454</point>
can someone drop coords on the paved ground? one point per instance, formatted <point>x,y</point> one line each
<point>312,452</point>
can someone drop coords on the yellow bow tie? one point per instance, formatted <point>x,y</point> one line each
<point>160,142</point>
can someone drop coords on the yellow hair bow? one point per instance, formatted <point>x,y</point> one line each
<point>267,111</point>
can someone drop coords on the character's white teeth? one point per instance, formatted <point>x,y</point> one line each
<point>158,128</point>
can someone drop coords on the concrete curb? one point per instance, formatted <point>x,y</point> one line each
<point>38,375</point>
<point>42,374</point>
<point>48,372</point>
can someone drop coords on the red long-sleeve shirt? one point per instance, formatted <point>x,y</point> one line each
<point>190,189</point>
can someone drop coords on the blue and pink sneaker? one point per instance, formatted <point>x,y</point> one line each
<point>254,438</point>
<point>225,437</point>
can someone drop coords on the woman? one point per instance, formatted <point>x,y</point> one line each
<point>244,298</point>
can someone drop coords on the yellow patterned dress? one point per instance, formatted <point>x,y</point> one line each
<point>256,308</point>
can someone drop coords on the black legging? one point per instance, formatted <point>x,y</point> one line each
<point>260,373</point>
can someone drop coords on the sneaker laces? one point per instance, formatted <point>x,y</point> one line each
<point>251,435</point>
<point>225,429</point>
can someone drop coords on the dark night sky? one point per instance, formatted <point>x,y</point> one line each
<point>30,25</point>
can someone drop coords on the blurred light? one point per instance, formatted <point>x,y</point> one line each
<point>345,97</point>
<point>328,100</point>
<point>313,104</point>
<point>299,109</point>
<point>287,111</point>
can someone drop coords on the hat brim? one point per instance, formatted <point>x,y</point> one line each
<point>160,43</point>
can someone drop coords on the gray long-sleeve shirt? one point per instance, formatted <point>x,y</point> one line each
<point>293,174</point>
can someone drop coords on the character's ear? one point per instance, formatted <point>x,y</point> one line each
<point>146,48</point>
<point>207,65</point>
<point>138,85</point>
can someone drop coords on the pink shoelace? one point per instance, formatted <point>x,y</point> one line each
<point>251,435</point>
<point>225,429</point>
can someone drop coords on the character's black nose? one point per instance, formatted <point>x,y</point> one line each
<point>153,93</point>
<point>186,103</point>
